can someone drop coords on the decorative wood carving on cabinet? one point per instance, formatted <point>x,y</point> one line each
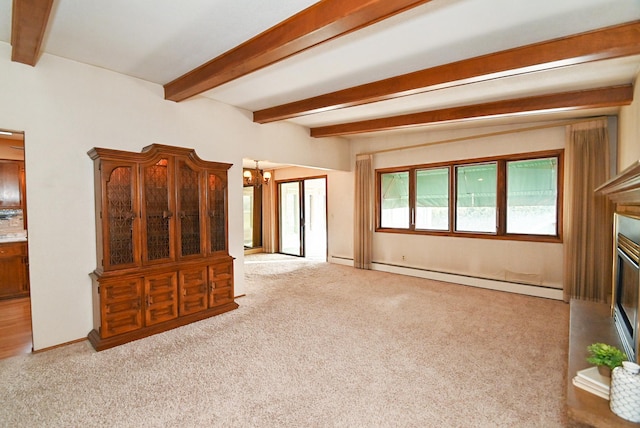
<point>162,242</point>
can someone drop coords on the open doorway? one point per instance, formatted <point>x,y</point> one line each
<point>15,301</point>
<point>302,208</point>
<point>252,218</point>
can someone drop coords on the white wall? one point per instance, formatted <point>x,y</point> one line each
<point>535,263</point>
<point>66,108</point>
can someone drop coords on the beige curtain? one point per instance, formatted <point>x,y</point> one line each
<point>588,218</point>
<point>269,214</point>
<point>363,213</point>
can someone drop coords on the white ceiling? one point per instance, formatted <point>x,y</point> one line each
<point>160,40</point>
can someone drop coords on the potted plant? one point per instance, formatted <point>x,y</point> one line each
<point>606,357</point>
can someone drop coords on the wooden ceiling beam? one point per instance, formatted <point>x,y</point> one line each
<point>319,23</point>
<point>575,100</point>
<point>28,24</point>
<point>611,42</point>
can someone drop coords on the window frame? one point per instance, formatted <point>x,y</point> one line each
<point>501,195</point>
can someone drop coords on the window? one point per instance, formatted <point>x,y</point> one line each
<point>508,197</point>
<point>395,200</point>
<point>432,199</point>
<point>532,196</point>
<point>476,197</point>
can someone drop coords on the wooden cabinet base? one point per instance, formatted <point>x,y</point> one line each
<point>101,344</point>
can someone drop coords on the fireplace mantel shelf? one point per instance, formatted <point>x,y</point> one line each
<point>624,189</point>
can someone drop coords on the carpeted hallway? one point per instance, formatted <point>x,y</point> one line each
<point>315,345</point>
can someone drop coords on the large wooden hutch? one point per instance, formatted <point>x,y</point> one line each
<point>162,242</point>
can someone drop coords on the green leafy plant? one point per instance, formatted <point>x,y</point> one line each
<point>602,354</point>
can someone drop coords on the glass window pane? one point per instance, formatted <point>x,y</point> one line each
<point>532,196</point>
<point>394,198</point>
<point>432,199</point>
<point>476,199</point>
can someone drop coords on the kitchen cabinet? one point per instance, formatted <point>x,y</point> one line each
<point>14,273</point>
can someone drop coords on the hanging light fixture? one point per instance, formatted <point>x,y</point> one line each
<point>255,177</point>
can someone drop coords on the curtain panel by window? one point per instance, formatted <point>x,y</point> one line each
<point>363,212</point>
<point>588,218</point>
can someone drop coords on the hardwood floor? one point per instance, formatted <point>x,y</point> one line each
<point>15,327</point>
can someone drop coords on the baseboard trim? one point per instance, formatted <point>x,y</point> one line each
<point>49,348</point>
<point>491,284</point>
<point>345,261</point>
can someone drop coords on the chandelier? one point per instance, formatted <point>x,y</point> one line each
<point>255,177</point>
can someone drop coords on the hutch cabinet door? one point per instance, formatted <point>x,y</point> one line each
<point>161,292</point>
<point>193,290</point>
<point>216,213</point>
<point>157,211</point>
<point>188,184</point>
<point>121,306</point>
<point>119,213</point>
<point>220,283</point>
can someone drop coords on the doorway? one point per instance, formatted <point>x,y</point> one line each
<point>302,208</point>
<point>252,218</point>
<point>15,301</point>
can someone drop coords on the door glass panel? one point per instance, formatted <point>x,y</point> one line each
<point>217,223</point>
<point>315,219</point>
<point>189,201</point>
<point>247,213</point>
<point>120,216</point>
<point>290,242</point>
<point>156,195</point>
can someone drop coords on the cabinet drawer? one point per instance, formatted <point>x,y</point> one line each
<point>118,291</point>
<point>220,296</point>
<point>8,250</point>
<point>121,322</point>
<point>221,270</point>
<point>217,284</point>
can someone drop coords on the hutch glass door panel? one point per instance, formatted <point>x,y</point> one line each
<point>188,184</point>
<point>157,212</point>
<point>120,211</point>
<point>216,212</point>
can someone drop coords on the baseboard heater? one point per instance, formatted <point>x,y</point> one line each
<point>473,281</point>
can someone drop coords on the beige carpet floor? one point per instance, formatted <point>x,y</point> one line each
<point>315,345</point>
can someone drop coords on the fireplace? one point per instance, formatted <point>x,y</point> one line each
<point>626,287</point>
<point>624,191</point>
